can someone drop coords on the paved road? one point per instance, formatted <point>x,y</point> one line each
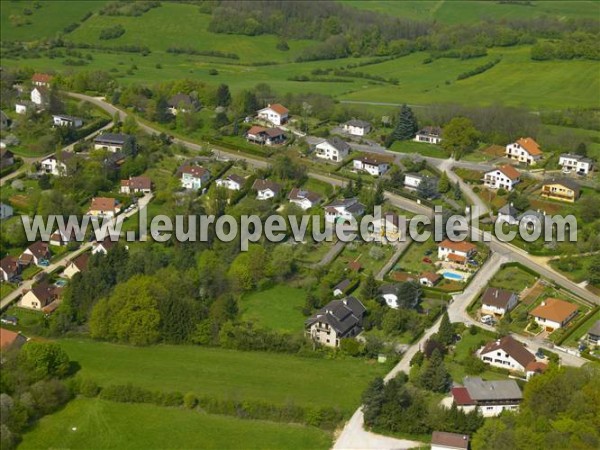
<point>331,254</point>
<point>27,284</point>
<point>400,248</point>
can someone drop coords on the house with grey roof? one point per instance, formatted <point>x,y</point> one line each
<point>113,142</point>
<point>577,163</point>
<point>508,213</point>
<point>333,149</point>
<point>182,102</point>
<point>498,301</point>
<point>490,398</point>
<point>357,127</point>
<point>337,320</point>
<point>344,210</point>
<point>593,336</point>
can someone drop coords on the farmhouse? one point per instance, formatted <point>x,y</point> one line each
<point>357,127</point>
<point>40,296</point>
<point>276,114</point>
<point>135,185</point>
<point>303,198</point>
<point>111,142</point>
<point>490,398</point>
<point>577,163</point>
<point>457,252</point>
<point>56,164</point>
<point>508,213</point>
<point>429,279</point>
<point>103,207</point>
<point>232,182</point>
<point>265,136</point>
<point>432,135</point>
<point>553,313</point>
<point>182,103</point>
<point>103,246</point>
<point>440,440</point>
<point>343,210</point>
<point>525,150</point>
<point>9,268</point>
<point>41,79</point>
<point>333,149</point>
<point>265,189</point>
<point>412,180</point>
<point>7,158</point>
<point>66,121</point>
<point>10,339</point>
<point>37,253</point>
<point>593,336</point>
<point>371,165</point>
<point>39,96</point>
<point>337,320</point>
<point>507,353</point>
<point>505,177</point>
<point>564,190</point>
<point>194,177</point>
<point>498,301</point>
<point>6,211</point>
<point>77,265</point>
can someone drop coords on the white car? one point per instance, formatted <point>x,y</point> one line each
<point>487,319</point>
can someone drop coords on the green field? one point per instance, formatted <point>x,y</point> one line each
<point>100,424</point>
<point>278,308</point>
<point>276,378</point>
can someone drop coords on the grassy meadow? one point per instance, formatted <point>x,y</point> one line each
<point>226,373</point>
<point>100,424</point>
<point>278,308</point>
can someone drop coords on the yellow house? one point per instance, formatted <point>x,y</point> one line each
<point>562,190</point>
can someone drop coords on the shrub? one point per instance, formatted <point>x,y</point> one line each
<point>190,400</point>
<point>89,388</point>
<point>112,32</point>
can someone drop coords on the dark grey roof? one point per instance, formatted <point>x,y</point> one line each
<point>182,99</point>
<point>236,178</point>
<point>342,315</point>
<point>430,131</point>
<point>338,144</point>
<point>388,289</point>
<point>531,214</point>
<point>342,285</point>
<point>480,390</point>
<point>300,194</point>
<point>111,138</point>
<point>595,330</point>
<point>566,183</point>
<point>577,157</point>
<point>358,123</point>
<point>69,118</point>
<point>497,297</point>
<point>261,185</point>
<point>509,210</point>
<point>345,202</point>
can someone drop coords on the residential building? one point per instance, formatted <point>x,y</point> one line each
<point>37,253</point>
<point>111,142</point>
<point>490,398</point>
<point>440,440</point>
<point>333,149</point>
<point>276,114</point>
<point>60,237</point>
<point>10,339</point>
<point>429,279</point>
<point>532,219</point>
<point>389,294</point>
<point>6,211</point>
<point>505,177</point>
<point>77,265</point>
<point>103,246</point>
<point>343,210</point>
<point>265,136</point>
<point>508,213</point>
<point>182,103</point>
<point>412,180</point>
<point>388,228</point>
<point>457,252</point>
<point>41,79</point>
<point>40,297</point>
<point>266,189</point>
<point>194,177</point>
<point>135,185</point>
<point>7,158</point>
<point>564,190</point>
<point>498,302</point>
<point>232,182</point>
<point>39,96</point>
<point>104,207</point>
<point>9,268</point>
<point>578,163</point>
<point>56,164</point>
<point>553,313</point>
<point>431,135</point>
<point>342,288</point>
<point>524,150</point>
<point>337,320</point>
<point>372,165</point>
<point>507,353</point>
<point>357,127</point>
<point>21,107</point>
<point>593,335</point>
<point>66,121</point>
<point>535,368</point>
<point>303,198</point>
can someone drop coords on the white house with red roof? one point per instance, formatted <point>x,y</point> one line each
<point>41,79</point>
<point>524,150</point>
<point>505,177</point>
<point>457,252</point>
<point>194,177</point>
<point>276,114</point>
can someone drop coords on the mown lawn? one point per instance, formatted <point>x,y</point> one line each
<point>278,308</point>
<point>421,148</point>
<point>512,279</point>
<point>271,377</point>
<point>101,424</point>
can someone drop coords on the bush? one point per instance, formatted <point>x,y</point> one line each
<point>190,400</point>
<point>89,388</point>
<point>213,72</point>
<point>112,32</point>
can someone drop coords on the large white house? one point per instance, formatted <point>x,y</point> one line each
<point>507,353</point>
<point>61,120</point>
<point>412,180</point>
<point>371,165</point>
<point>498,301</point>
<point>338,319</point>
<point>111,142</point>
<point>553,313</point>
<point>431,135</point>
<point>490,398</point>
<point>457,252</point>
<point>232,182</point>
<point>276,114</point>
<point>505,177</point>
<point>39,96</point>
<point>344,210</point>
<point>194,177</point>
<point>524,150</point>
<point>577,163</point>
<point>56,165</point>
<point>303,198</point>
<point>333,149</point>
<point>357,127</point>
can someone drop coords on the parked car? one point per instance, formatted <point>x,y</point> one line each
<point>9,320</point>
<point>487,319</point>
<point>427,260</point>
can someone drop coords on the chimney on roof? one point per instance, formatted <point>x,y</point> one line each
<point>345,301</point>
<point>496,293</point>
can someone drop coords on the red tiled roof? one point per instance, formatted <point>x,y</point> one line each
<point>137,183</point>
<point>530,145</point>
<point>103,204</point>
<point>513,348</point>
<point>196,171</point>
<point>456,258</point>
<point>41,78</point>
<point>554,309</point>
<point>461,396</point>
<point>279,109</point>
<point>7,337</point>
<point>451,440</point>
<point>461,246</point>
<point>510,171</point>
<point>256,130</point>
<point>432,277</point>
<point>536,366</point>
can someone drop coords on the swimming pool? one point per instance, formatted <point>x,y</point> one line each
<point>60,282</point>
<point>453,276</point>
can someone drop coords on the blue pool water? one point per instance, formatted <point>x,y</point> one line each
<point>452,276</point>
